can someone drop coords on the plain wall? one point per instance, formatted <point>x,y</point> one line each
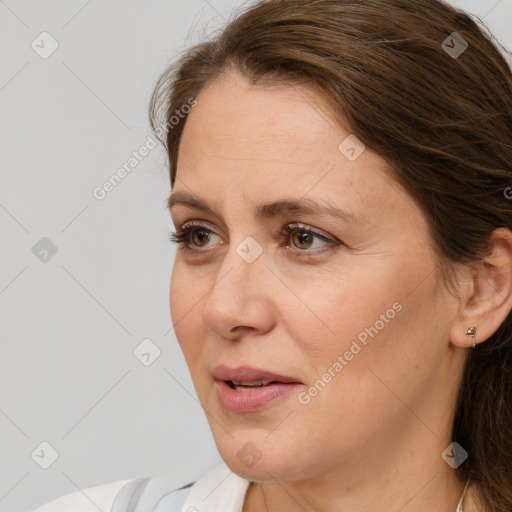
<point>70,321</point>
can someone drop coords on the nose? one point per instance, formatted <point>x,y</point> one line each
<point>240,300</point>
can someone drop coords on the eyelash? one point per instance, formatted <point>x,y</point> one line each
<point>286,231</point>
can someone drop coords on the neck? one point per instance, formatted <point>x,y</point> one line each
<point>380,478</point>
<point>435,495</point>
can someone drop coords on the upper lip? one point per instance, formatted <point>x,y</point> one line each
<point>248,373</point>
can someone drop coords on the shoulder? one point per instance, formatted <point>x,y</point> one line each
<point>121,496</point>
<point>89,499</point>
<point>157,493</point>
<point>218,489</point>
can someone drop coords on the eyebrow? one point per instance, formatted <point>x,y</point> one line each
<point>279,208</point>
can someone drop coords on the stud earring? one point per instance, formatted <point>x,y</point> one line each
<point>471,332</point>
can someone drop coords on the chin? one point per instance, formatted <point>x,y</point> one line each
<point>252,461</point>
<point>262,471</point>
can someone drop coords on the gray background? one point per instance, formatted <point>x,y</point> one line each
<point>69,325</point>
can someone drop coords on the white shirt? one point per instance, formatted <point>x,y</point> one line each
<point>218,490</point>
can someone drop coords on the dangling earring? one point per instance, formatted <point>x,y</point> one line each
<point>471,332</point>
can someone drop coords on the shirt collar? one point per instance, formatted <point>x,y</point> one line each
<point>219,489</point>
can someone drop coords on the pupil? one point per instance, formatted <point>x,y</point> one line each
<point>303,237</point>
<point>201,235</point>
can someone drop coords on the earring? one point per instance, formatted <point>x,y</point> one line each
<point>471,332</point>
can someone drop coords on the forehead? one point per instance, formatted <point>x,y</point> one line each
<point>263,141</point>
<point>263,118</point>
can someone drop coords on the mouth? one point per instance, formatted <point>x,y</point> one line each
<point>247,389</point>
<point>246,386</point>
<point>248,377</point>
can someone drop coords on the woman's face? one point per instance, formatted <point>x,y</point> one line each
<point>351,312</point>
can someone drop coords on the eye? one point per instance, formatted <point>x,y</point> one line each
<point>192,235</point>
<point>303,237</point>
<point>300,239</point>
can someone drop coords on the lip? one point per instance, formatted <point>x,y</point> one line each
<point>252,400</point>
<point>247,373</point>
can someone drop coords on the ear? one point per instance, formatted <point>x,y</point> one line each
<point>485,293</point>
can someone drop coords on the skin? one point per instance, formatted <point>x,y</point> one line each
<point>372,439</point>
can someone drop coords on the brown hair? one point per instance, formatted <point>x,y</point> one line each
<point>443,122</point>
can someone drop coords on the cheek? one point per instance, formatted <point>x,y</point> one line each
<point>329,318</point>
<point>185,305</point>
<point>370,320</point>
<point>344,369</point>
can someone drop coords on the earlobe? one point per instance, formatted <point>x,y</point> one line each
<point>486,299</point>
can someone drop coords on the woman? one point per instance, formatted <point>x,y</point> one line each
<point>342,290</point>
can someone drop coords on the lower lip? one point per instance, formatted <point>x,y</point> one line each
<point>253,399</point>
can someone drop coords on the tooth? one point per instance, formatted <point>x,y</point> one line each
<point>253,383</point>
<point>244,386</point>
